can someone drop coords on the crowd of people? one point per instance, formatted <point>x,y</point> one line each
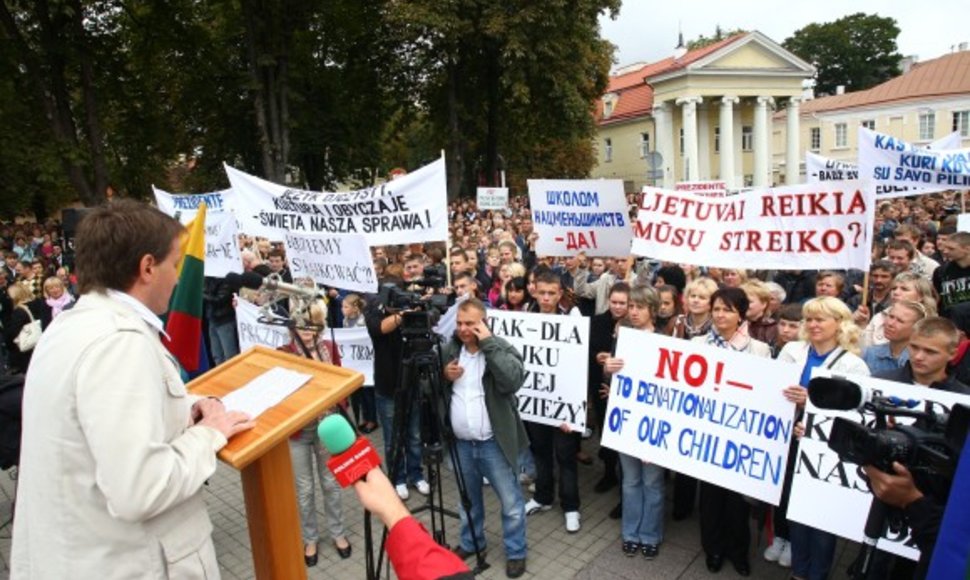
<point>905,320</point>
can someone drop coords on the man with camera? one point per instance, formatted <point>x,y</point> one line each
<point>482,376</point>
<point>384,327</point>
<point>931,346</point>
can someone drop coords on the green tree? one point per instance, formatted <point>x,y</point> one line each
<point>858,51</point>
<point>719,35</point>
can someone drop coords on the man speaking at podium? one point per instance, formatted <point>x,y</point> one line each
<point>114,450</point>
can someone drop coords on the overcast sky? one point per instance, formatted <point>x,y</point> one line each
<point>646,30</point>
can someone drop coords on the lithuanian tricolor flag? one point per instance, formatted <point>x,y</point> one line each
<point>184,320</point>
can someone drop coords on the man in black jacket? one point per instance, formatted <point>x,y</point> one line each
<point>221,318</point>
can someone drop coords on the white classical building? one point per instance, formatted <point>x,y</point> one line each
<point>707,112</point>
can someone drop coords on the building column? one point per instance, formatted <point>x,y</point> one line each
<point>727,141</point>
<point>688,107</point>
<point>792,139</point>
<point>761,153</point>
<point>703,143</point>
<point>664,134</point>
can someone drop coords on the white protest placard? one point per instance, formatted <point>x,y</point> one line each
<point>815,226</point>
<point>222,254</point>
<point>819,168</point>
<point>710,413</point>
<point>188,203</point>
<point>822,479</point>
<point>708,188</point>
<point>963,222</point>
<point>252,332</point>
<point>493,198</point>
<point>356,351</point>
<point>580,215</point>
<point>890,161</point>
<point>342,261</point>
<point>554,350</point>
<point>413,208</point>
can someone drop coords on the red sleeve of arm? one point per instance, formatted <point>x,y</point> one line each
<point>415,556</point>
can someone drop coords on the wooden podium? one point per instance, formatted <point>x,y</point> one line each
<point>262,454</point>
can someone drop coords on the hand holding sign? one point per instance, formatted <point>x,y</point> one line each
<point>796,394</point>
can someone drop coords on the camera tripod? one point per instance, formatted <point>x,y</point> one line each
<point>420,391</point>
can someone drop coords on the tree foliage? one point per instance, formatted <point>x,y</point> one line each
<point>719,35</point>
<point>858,51</point>
<point>125,94</point>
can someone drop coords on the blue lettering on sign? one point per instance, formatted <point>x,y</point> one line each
<point>754,462</point>
<point>573,198</point>
<point>212,201</point>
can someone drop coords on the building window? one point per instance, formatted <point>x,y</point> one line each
<point>816,138</point>
<point>961,123</point>
<point>607,108</point>
<point>717,139</point>
<point>841,135</point>
<point>607,149</point>
<point>644,145</point>
<point>681,140</point>
<point>927,122</point>
<point>869,124</point>
<point>747,138</point>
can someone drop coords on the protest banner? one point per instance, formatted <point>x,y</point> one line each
<point>710,413</point>
<point>356,351</point>
<point>222,254</point>
<point>821,478</point>
<point>802,227</point>
<point>890,161</point>
<point>188,203</point>
<point>554,349</point>
<point>413,208</point>
<point>819,168</point>
<point>580,215</point>
<point>340,261</point>
<point>252,332</point>
<point>706,188</point>
<point>493,198</point>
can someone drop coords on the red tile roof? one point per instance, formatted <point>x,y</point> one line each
<point>634,97</point>
<point>946,75</point>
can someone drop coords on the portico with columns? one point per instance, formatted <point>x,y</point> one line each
<point>709,115</point>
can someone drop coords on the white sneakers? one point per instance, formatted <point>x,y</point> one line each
<point>779,551</point>
<point>534,507</point>
<point>423,487</point>
<point>572,522</point>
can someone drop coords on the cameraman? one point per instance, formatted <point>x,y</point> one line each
<point>384,328</point>
<point>931,346</point>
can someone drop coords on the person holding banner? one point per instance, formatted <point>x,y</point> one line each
<point>362,400</point>
<point>643,482</point>
<point>724,513</point>
<point>830,340</point>
<point>550,444</point>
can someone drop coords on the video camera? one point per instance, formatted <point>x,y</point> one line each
<point>419,311</point>
<point>929,448</point>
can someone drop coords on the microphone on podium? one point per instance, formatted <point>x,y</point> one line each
<point>351,456</point>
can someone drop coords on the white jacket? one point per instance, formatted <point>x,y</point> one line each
<point>110,471</point>
<point>797,352</point>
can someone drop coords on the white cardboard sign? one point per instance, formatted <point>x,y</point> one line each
<point>580,215</point>
<point>711,413</point>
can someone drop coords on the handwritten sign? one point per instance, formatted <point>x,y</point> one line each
<point>222,254</point>
<point>493,198</point>
<point>339,261</point>
<point>554,349</point>
<point>890,161</point>
<point>821,478</point>
<point>706,188</point>
<point>580,215</point>
<point>252,332</point>
<point>356,351</point>
<point>409,209</point>
<point>354,344</point>
<point>819,168</point>
<point>813,226</point>
<point>711,413</point>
